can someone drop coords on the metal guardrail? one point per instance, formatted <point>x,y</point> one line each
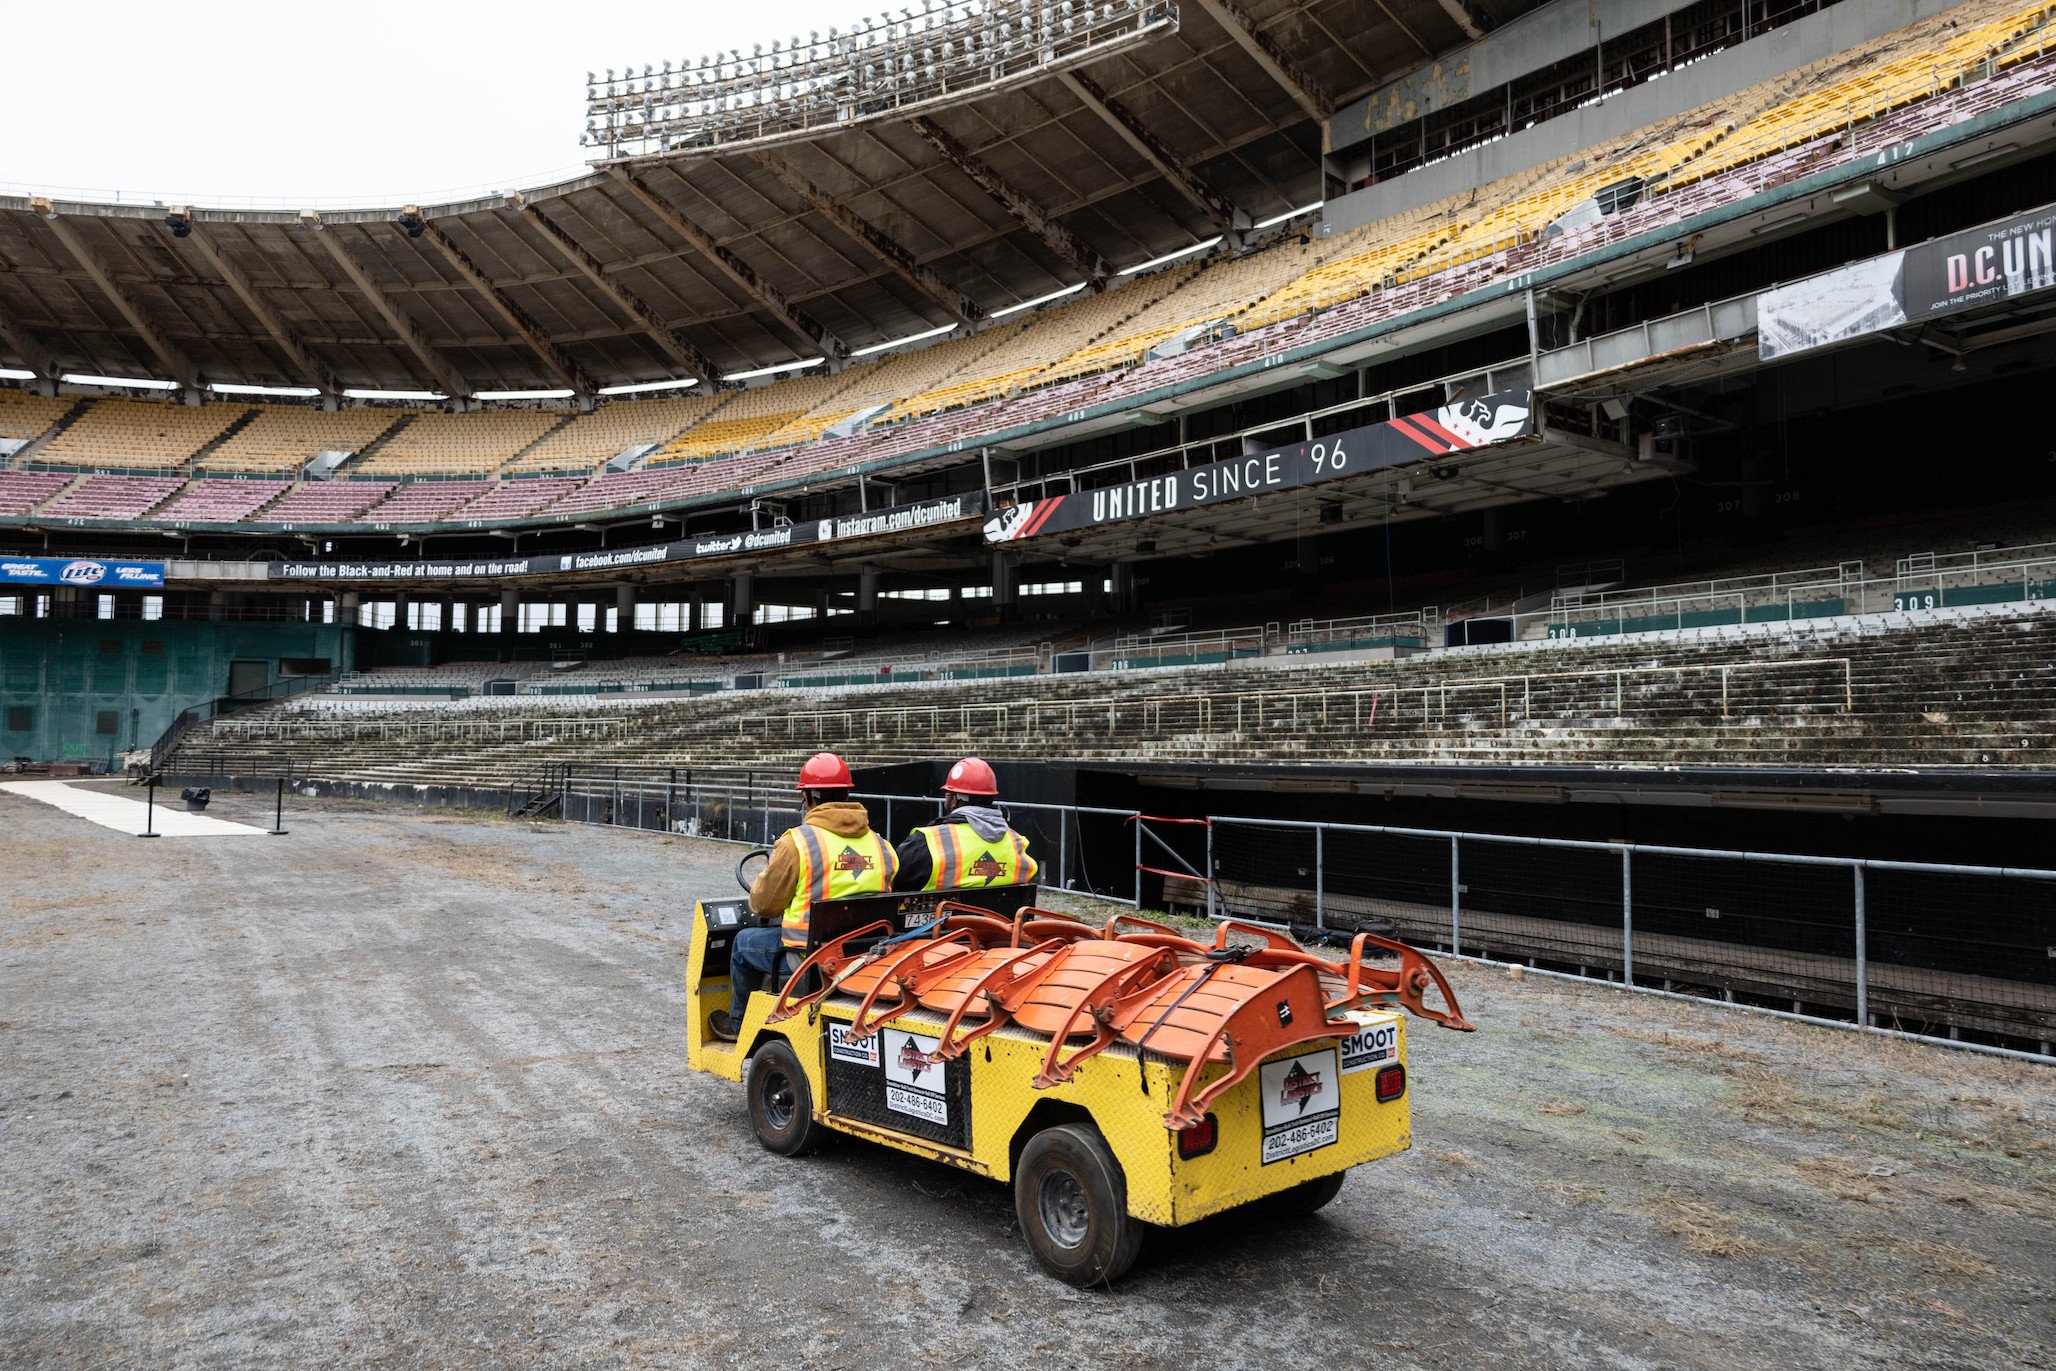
<point>1927,951</point>
<point>278,690</point>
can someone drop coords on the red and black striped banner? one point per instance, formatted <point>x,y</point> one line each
<point>1454,428</point>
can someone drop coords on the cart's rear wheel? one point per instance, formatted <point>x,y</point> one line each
<point>1072,1203</point>
<point>781,1103</point>
<point>1304,1198</point>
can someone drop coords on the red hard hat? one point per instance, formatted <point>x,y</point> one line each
<point>971,777</point>
<point>825,771</point>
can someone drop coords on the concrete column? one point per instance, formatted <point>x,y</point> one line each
<point>740,600</point>
<point>867,589</point>
<point>624,607</point>
<point>510,614</point>
<point>1124,587</point>
<point>1002,582</point>
<point>693,602</point>
<point>1495,530</point>
<point>348,604</point>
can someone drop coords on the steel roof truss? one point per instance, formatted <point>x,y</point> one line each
<point>674,344</point>
<point>1025,211</point>
<point>445,375</point>
<point>803,327</point>
<point>309,366</point>
<point>895,258</point>
<point>552,357</point>
<point>1155,151</point>
<point>175,362</point>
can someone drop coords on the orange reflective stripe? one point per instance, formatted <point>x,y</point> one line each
<point>811,886</point>
<point>817,886</point>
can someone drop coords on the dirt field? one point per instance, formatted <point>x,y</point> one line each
<point>410,1091</point>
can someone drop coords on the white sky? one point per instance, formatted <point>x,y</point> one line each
<point>382,101</point>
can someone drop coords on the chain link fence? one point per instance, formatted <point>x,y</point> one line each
<point>1960,954</point>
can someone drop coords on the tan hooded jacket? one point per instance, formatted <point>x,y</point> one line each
<point>773,890</point>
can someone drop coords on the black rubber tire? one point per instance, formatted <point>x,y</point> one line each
<point>1072,1203</point>
<point>1304,1198</point>
<point>781,1103</point>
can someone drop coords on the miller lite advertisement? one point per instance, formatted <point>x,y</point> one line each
<point>1982,266</point>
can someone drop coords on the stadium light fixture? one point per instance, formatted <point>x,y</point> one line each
<point>238,388</point>
<point>1277,219</point>
<point>1169,257</point>
<point>644,387</point>
<point>902,342</point>
<point>394,395</point>
<point>15,374</point>
<point>1038,300</point>
<point>800,365</point>
<point>135,382</point>
<point>523,394</point>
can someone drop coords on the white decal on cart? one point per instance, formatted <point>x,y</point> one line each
<point>1371,1046</point>
<point>913,1085</point>
<point>842,1049</point>
<point>1302,1103</point>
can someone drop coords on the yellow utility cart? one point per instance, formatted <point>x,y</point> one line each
<point>1083,1121</point>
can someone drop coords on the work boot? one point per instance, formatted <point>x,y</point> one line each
<point>724,1026</point>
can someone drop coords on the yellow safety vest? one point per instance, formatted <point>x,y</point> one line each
<point>958,858</point>
<point>834,868</point>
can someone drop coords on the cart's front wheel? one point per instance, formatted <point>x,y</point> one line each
<point>1072,1202</point>
<point>781,1104</point>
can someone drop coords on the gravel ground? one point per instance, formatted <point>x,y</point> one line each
<point>410,1090</point>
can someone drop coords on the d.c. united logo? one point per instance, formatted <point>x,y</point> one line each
<point>1300,1087</point>
<point>854,862</point>
<point>989,867</point>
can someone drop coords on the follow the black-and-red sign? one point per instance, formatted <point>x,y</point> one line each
<point>1454,428</point>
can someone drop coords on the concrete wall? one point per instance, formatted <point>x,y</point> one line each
<point>66,672</point>
<point>1836,29</point>
<point>1533,41</point>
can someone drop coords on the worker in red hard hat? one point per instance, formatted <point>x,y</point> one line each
<point>831,854</point>
<point>971,846</point>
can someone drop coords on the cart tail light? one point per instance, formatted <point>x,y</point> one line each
<point>1196,1140</point>
<point>1391,1083</point>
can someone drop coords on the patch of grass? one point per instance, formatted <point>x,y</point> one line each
<point>1841,1177</point>
<point>1704,1230</point>
<point>1943,1258</point>
<point>1462,1161</point>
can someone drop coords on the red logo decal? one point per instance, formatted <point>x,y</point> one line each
<point>854,861</point>
<point>910,1059</point>
<point>988,866</point>
<point>1300,1087</point>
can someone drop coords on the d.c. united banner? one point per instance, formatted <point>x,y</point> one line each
<point>1453,428</point>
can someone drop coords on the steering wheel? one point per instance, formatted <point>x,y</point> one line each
<point>748,878</point>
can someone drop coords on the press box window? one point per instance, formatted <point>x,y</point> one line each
<point>20,718</point>
<point>107,722</point>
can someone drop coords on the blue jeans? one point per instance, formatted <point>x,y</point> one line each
<point>753,960</point>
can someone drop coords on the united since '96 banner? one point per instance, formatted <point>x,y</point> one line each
<point>1981,266</point>
<point>1453,428</point>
